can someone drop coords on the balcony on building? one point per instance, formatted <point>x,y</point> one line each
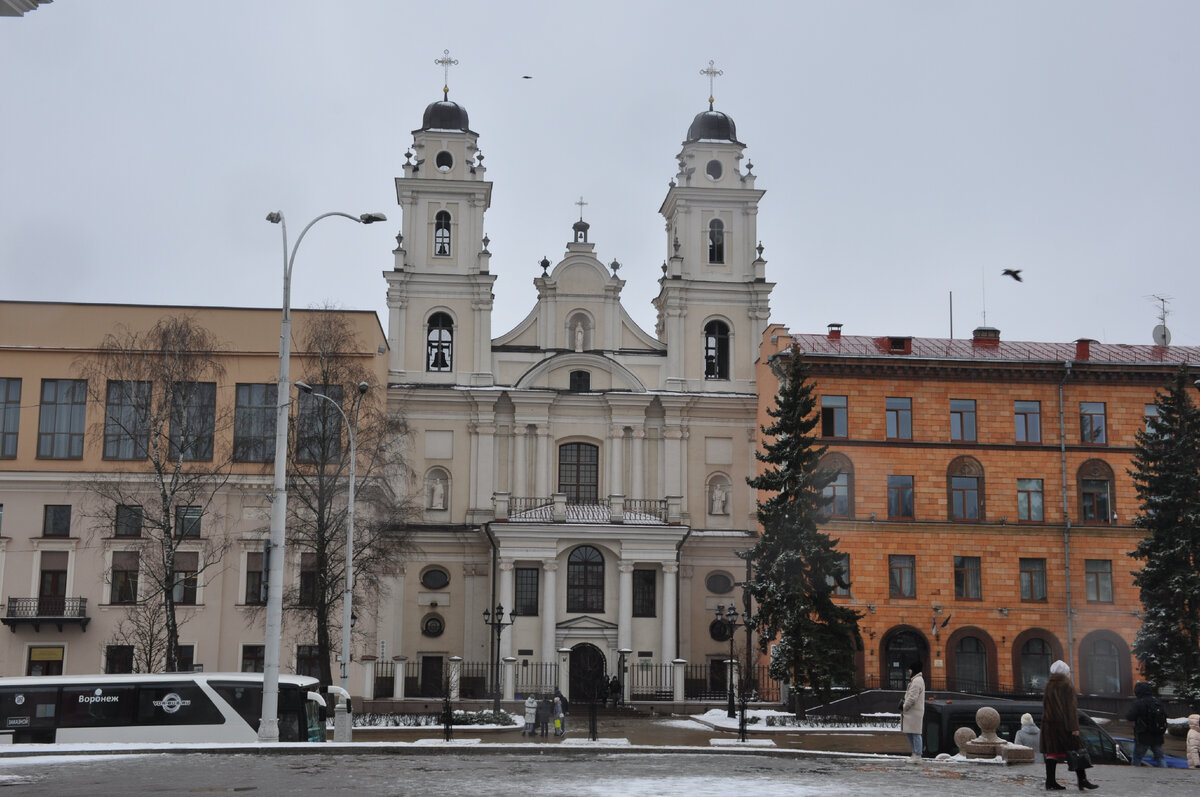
<point>55,611</point>
<point>615,509</point>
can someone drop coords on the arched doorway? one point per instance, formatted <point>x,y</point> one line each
<point>588,671</point>
<point>901,648</point>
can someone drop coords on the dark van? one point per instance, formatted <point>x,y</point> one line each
<point>944,717</point>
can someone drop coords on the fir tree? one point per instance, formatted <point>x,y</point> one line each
<point>1167,476</point>
<point>795,566</point>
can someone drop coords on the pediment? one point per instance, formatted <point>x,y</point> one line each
<point>589,622</point>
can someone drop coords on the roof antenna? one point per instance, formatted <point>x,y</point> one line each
<point>1161,335</point>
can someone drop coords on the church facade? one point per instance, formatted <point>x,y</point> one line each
<point>582,475</point>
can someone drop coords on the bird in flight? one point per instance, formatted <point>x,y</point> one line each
<point>526,77</point>
<point>1015,273</point>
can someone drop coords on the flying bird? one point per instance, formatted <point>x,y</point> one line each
<point>1015,273</point>
<point>526,77</point>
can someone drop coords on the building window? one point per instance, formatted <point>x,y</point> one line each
<point>118,659</point>
<point>1028,418</point>
<point>1102,665</point>
<point>308,660</point>
<point>436,578</point>
<point>899,418</point>
<point>193,420</point>
<point>441,234</point>
<point>52,584</point>
<point>62,419</point>
<point>1151,414</point>
<point>1035,664</point>
<point>525,595</point>
<point>185,577</point>
<point>254,422</point>
<point>719,583</point>
<point>439,343</point>
<point>900,497</point>
<point>839,494</point>
<point>964,499</point>
<point>307,592</point>
<point>1098,573</point>
<point>585,580</point>
<point>124,577</point>
<point>902,576</point>
<point>833,416</point>
<point>644,582</point>
<point>10,416</point>
<point>126,419</point>
<point>128,522</point>
<point>1033,579</point>
<point>843,564</point>
<point>962,419</point>
<point>319,426</point>
<point>581,381</point>
<point>1091,422</point>
<point>1094,504</point>
<point>255,594</point>
<point>187,521</point>
<point>716,241</point>
<point>253,658</point>
<point>967,583</point>
<point>716,350</point>
<point>56,520</point>
<point>185,658</point>
<point>579,472</point>
<point>1030,501</point>
<point>970,665</point>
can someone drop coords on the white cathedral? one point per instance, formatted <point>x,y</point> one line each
<point>584,474</point>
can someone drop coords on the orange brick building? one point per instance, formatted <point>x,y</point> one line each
<point>983,500</point>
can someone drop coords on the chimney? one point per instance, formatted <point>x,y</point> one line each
<point>1083,348</point>
<point>985,336</point>
<point>835,331</point>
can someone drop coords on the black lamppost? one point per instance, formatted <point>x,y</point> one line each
<point>497,624</point>
<point>730,617</point>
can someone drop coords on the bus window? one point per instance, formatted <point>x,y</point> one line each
<point>31,714</point>
<point>244,698</point>
<point>179,703</point>
<point>92,706</point>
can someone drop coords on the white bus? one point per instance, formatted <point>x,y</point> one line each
<point>163,707</point>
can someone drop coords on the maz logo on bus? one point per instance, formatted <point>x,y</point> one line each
<point>172,702</point>
<point>99,697</point>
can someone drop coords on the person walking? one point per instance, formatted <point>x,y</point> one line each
<point>1028,735</point>
<point>1060,725</point>
<point>614,691</point>
<point>1149,720</point>
<point>545,708</point>
<point>912,710</point>
<point>560,725</point>
<point>530,716</point>
<point>1193,741</point>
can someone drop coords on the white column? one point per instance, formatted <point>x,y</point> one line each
<point>637,489</point>
<point>505,598</point>
<point>549,610</point>
<point>543,462</point>
<point>624,604</point>
<point>668,612</point>
<point>486,469</point>
<point>396,321</point>
<point>616,470</point>
<point>396,606</point>
<point>520,463</point>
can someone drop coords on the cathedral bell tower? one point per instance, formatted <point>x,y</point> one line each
<point>713,296</point>
<point>440,289</point>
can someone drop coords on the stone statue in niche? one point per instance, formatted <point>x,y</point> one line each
<point>437,493</point>
<point>719,496</point>
<point>578,336</point>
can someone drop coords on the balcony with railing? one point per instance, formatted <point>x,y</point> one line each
<point>613,509</point>
<point>55,611</point>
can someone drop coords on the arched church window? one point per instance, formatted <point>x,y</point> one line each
<point>439,343</point>
<point>441,234</point>
<point>585,580</point>
<point>713,170</point>
<point>579,472</point>
<point>444,161</point>
<point>716,241</point>
<point>716,350</point>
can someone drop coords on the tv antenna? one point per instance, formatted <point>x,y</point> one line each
<point>1161,335</point>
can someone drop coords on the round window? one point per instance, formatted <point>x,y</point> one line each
<point>720,631</point>
<point>719,583</point>
<point>435,578</point>
<point>713,170</point>
<point>444,161</point>
<point>433,625</point>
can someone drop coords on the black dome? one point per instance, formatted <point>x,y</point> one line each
<point>445,115</point>
<point>712,125</point>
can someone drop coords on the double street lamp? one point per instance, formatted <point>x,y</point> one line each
<point>498,624</point>
<point>268,726</point>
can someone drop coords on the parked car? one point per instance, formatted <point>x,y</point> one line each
<point>1173,761</point>
<point>944,717</point>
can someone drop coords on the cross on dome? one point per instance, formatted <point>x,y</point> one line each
<point>713,73</point>
<point>445,62</point>
<point>581,204</point>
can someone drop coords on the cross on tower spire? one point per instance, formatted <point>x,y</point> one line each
<point>445,62</point>
<point>581,204</point>
<point>713,73</point>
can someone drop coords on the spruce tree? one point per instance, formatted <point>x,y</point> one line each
<point>795,567</point>
<point>1167,476</point>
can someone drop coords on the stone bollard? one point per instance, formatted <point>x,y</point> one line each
<point>342,731</point>
<point>987,744</point>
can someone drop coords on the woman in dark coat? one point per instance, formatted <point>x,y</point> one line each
<point>1060,725</point>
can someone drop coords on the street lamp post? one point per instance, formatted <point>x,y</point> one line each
<point>268,726</point>
<point>730,617</point>
<point>497,624</point>
<point>348,596</point>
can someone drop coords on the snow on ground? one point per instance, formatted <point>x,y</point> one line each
<point>719,718</point>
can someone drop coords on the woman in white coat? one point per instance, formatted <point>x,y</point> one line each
<point>912,710</point>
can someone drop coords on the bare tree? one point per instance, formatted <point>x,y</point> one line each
<point>318,476</point>
<point>167,432</point>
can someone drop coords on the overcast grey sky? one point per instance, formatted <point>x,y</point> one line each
<point>908,150</point>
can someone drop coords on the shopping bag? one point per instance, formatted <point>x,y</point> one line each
<point>557,724</point>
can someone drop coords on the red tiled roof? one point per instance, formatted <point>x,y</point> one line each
<point>992,350</point>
